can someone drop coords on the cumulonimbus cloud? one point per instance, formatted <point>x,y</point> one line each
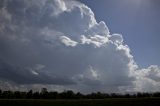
<point>60,43</point>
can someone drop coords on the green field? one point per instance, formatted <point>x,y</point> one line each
<point>103,102</point>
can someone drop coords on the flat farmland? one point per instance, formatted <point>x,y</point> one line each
<point>83,102</point>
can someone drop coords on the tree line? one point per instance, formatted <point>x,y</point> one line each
<point>69,94</point>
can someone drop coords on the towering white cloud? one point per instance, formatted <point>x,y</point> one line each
<point>59,43</point>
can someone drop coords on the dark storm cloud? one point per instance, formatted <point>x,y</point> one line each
<point>24,76</point>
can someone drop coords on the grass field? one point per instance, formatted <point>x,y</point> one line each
<point>104,102</point>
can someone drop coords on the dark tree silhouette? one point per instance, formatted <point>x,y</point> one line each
<point>29,94</point>
<point>44,94</point>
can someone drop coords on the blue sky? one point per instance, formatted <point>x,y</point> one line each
<point>139,23</point>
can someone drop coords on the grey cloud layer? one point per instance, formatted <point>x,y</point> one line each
<point>60,43</point>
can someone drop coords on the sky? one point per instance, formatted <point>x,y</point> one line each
<point>137,20</point>
<point>71,45</point>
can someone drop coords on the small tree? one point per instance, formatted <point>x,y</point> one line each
<point>44,93</point>
<point>29,94</point>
